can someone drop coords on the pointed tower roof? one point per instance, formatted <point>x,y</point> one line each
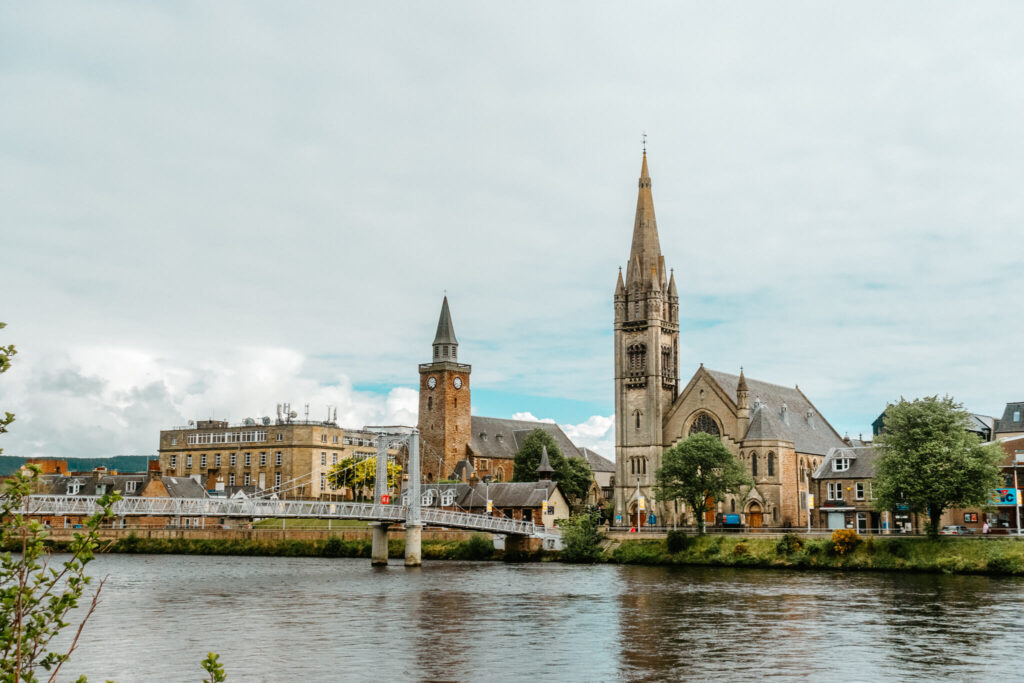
<point>645,254</point>
<point>672,291</point>
<point>620,287</point>
<point>544,469</point>
<point>742,384</point>
<point>445,329</point>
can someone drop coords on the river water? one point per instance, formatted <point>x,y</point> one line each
<point>312,619</point>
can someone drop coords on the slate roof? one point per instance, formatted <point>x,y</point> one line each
<point>597,462</point>
<point>1006,423</point>
<point>445,329</point>
<point>184,487</point>
<point>57,484</point>
<point>862,465</point>
<point>495,437</point>
<point>511,494</point>
<point>810,433</point>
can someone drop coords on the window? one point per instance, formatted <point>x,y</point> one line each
<point>732,505</point>
<point>706,424</point>
<point>835,490</point>
<point>643,464</point>
<point>280,436</point>
<point>637,354</point>
<point>202,460</point>
<point>227,437</point>
<point>277,459</point>
<point>188,461</point>
<point>216,460</point>
<point>248,460</point>
<point>335,440</point>
<point>323,438</point>
<point>1016,416</point>
<point>129,486</point>
<point>840,464</point>
<point>233,459</point>
<point>174,441</point>
<point>636,414</point>
<point>323,457</point>
<point>771,464</point>
<point>74,487</point>
<point>247,478</point>
<point>334,458</point>
<point>448,497</point>
<point>323,481</point>
<point>231,479</point>
<point>263,459</point>
<point>753,464</point>
<point>430,402</point>
<point>174,461</point>
<point>859,490</point>
<point>277,479</point>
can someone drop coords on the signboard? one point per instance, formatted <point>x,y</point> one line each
<point>544,506</point>
<point>618,520</point>
<point>490,506</point>
<point>385,499</point>
<point>1005,496</point>
<point>731,519</point>
<point>810,501</point>
<point>643,504</point>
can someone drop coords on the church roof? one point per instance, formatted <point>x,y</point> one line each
<point>445,329</point>
<point>800,423</point>
<point>495,437</point>
<point>597,462</point>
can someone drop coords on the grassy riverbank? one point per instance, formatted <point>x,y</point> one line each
<point>947,555</point>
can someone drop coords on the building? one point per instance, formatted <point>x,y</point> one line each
<point>457,445</point>
<point>604,472</point>
<point>775,430</point>
<point>981,425</point>
<point>290,457</point>
<point>1012,421</point>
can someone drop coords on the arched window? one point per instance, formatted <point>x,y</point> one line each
<point>771,464</point>
<point>643,464</point>
<point>637,359</point>
<point>430,402</point>
<point>636,414</point>
<point>753,463</point>
<point>499,475</point>
<point>705,423</point>
<point>732,505</point>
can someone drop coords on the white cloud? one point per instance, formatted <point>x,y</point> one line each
<point>529,417</point>
<point>596,433</point>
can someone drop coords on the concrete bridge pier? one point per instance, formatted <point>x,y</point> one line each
<point>413,545</point>
<point>379,553</point>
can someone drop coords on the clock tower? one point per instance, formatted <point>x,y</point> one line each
<point>444,416</point>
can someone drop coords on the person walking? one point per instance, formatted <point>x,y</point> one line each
<point>984,527</point>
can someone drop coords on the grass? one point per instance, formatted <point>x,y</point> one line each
<point>946,555</point>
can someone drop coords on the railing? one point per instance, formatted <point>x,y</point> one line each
<point>260,507</point>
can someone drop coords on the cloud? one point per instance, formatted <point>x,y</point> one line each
<point>596,433</point>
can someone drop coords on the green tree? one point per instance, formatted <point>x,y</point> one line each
<point>6,353</point>
<point>930,462</point>
<point>573,475</point>
<point>359,474</point>
<point>696,470</point>
<point>581,541</point>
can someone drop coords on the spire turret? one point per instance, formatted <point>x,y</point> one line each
<point>544,469</point>
<point>446,346</point>
<point>645,253</point>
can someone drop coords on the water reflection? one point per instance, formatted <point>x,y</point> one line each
<point>309,619</point>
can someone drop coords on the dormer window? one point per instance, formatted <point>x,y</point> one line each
<point>483,436</point>
<point>74,487</point>
<point>129,486</point>
<point>840,464</point>
<point>1016,416</point>
<point>498,437</point>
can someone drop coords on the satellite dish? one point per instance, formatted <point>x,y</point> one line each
<point>293,414</point>
<point>266,421</point>
<point>249,422</point>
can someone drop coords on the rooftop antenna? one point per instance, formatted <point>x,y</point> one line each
<point>307,412</point>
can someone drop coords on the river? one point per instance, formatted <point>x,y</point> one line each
<point>311,619</point>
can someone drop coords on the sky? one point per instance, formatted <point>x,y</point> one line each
<point>207,209</point>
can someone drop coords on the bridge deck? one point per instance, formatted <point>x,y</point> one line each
<point>252,508</point>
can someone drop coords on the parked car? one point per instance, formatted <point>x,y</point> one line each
<point>955,530</point>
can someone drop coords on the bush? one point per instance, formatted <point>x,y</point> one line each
<point>332,548</point>
<point>789,544</point>
<point>677,541</point>
<point>478,547</point>
<point>844,540</point>
<point>740,550</point>
<point>1005,564</point>
<point>869,546</point>
<point>896,548</point>
<point>581,541</point>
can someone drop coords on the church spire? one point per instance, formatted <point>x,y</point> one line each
<point>645,254</point>
<point>446,346</point>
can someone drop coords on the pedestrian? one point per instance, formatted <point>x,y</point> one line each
<point>984,528</point>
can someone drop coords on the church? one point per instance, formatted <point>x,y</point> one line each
<point>774,430</point>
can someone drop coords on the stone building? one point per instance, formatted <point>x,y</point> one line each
<point>774,430</point>
<point>288,457</point>
<point>1012,421</point>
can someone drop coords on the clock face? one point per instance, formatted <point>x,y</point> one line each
<point>457,383</point>
<point>432,382</point>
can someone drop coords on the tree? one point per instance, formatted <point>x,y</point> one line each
<point>581,541</point>
<point>699,469</point>
<point>358,474</point>
<point>573,475</point>
<point>930,462</point>
<point>6,353</point>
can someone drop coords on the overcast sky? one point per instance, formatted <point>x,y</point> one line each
<point>210,208</point>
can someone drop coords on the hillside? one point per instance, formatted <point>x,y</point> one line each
<point>121,463</point>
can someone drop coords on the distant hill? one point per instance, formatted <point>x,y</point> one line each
<point>121,463</point>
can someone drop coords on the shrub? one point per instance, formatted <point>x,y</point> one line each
<point>869,546</point>
<point>896,548</point>
<point>1005,564</point>
<point>677,541</point>
<point>844,540</point>
<point>789,544</point>
<point>333,547</point>
<point>740,550</point>
<point>478,547</point>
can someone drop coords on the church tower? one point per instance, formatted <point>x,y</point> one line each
<point>444,416</point>
<point>646,359</point>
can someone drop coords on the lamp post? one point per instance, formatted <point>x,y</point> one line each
<point>638,503</point>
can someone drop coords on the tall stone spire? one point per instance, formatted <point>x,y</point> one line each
<point>446,346</point>
<point>645,259</point>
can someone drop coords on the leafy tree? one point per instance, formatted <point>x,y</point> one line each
<point>930,462</point>
<point>6,353</point>
<point>573,475</point>
<point>581,540</point>
<point>696,470</point>
<point>359,474</point>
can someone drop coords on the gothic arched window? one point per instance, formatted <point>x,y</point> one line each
<point>753,463</point>
<point>636,414</point>
<point>705,423</point>
<point>771,464</point>
<point>430,402</point>
<point>637,359</point>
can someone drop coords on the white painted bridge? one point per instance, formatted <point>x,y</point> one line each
<point>260,508</point>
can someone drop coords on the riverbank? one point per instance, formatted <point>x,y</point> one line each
<point>1002,556</point>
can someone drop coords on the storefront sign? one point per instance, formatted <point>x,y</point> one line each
<point>1005,496</point>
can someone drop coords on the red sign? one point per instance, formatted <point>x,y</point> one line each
<point>385,499</point>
